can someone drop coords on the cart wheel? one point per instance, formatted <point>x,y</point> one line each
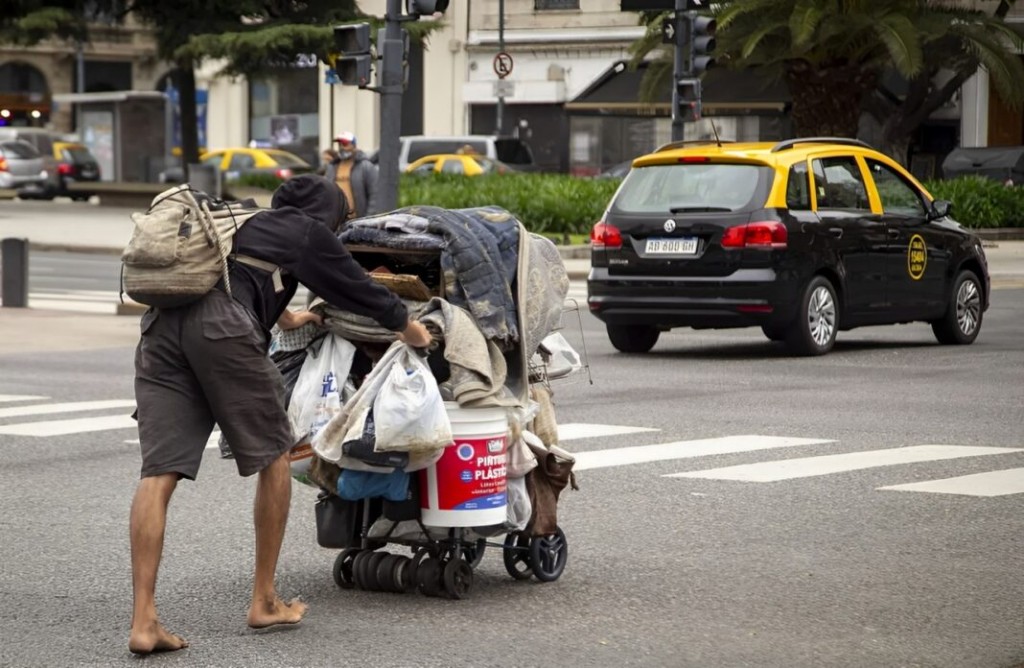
<point>382,573</point>
<point>474,553</point>
<point>343,575</point>
<point>359,568</point>
<point>413,569</point>
<point>549,554</point>
<point>458,578</point>
<point>372,562</point>
<point>516,555</point>
<point>428,577</point>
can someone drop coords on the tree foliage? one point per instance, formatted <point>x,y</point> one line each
<point>834,54</point>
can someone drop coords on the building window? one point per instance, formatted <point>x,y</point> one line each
<point>540,5</point>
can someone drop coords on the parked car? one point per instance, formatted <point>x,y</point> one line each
<point>509,150</point>
<point>22,169</point>
<point>234,162</point>
<point>42,140</point>
<point>448,163</point>
<point>803,238</point>
<point>75,164</point>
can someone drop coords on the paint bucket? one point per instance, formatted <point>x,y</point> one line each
<point>466,487</point>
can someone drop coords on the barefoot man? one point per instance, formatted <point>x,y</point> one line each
<point>206,363</point>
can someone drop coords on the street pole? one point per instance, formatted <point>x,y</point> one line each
<point>390,109</point>
<point>500,121</point>
<point>680,67</point>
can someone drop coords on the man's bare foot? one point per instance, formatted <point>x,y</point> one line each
<point>270,613</point>
<point>154,638</point>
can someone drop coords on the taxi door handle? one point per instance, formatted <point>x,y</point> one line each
<point>837,232</point>
<point>893,232</point>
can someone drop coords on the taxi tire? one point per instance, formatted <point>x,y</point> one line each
<point>799,339</point>
<point>633,338</point>
<point>963,300</point>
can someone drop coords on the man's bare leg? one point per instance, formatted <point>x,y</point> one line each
<point>270,513</point>
<point>148,519</point>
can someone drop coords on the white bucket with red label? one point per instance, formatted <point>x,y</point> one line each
<point>466,487</point>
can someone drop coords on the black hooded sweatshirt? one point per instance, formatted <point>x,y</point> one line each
<point>295,236</point>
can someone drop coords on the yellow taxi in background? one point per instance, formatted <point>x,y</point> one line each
<point>75,164</point>
<point>803,238</point>
<point>235,162</point>
<point>457,163</point>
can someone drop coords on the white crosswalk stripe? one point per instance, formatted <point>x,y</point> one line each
<point>20,397</point>
<point>113,414</point>
<point>806,467</point>
<point>102,301</point>
<point>992,483</point>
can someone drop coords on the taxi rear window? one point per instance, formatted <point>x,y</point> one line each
<point>693,187</point>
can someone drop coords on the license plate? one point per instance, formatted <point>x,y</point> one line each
<point>680,246</point>
<point>88,173</point>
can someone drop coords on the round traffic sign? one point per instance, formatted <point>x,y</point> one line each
<point>502,64</point>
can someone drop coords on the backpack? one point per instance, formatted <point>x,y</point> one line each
<point>180,248</point>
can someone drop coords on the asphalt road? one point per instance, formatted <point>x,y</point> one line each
<point>814,570</point>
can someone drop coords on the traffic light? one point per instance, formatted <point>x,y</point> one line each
<point>702,44</point>
<point>688,99</point>
<point>351,57</point>
<point>426,7</point>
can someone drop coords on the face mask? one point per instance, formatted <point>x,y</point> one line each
<point>346,155</point>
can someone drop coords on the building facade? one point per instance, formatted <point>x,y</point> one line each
<point>565,89</point>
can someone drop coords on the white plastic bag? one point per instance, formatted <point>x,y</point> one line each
<point>519,507</point>
<point>408,410</point>
<point>317,395</point>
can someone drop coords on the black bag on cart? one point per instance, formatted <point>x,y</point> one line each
<point>339,523</point>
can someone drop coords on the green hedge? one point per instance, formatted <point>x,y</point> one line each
<point>553,204</point>
<point>981,202</point>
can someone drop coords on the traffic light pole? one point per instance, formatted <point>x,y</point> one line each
<point>390,108</point>
<point>681,66</point>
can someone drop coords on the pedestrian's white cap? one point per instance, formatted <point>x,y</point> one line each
<point>345,137</point>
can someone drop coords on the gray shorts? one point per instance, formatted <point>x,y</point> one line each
<point>202,364</point>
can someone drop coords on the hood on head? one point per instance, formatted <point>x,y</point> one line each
<point>315,195</point>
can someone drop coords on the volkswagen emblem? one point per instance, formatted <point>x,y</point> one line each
<point>670,225</point>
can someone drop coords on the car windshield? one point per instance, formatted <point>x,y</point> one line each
<point>285,159</point>
<point>19,149</point>
<point>77,154</point>
<point>422,148</point>
<point>693,187</point>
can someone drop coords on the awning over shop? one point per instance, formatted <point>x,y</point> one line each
<point>725,93</point>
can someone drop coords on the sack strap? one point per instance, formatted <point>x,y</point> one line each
<point>269,267</point>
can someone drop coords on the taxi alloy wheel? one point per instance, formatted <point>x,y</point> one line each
<point>962,321</point>
<point>814,331</point>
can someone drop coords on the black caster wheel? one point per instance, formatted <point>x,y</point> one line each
<point>386,572</point>
<point>474,553</point>
<point>370,571</point>
<point>548,555</point>
<point>516,555</point>
<point>458,578</point>
<point>343,564</point>
<point>411,578</point>
<point>428,577</point>
<point>359,568</point>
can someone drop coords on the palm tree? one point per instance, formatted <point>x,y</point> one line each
<point>833,53</point>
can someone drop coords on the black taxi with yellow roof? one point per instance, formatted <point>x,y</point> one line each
<point>803,238</point>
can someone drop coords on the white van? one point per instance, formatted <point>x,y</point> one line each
<point>508,150</point>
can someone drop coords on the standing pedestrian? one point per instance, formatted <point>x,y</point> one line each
<point>206,362</point>
<point>355,174</point>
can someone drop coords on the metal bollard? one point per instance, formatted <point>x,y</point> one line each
<point>205,178</point>
<point>14,282</point>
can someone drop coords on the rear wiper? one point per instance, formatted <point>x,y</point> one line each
<point>697,209</point>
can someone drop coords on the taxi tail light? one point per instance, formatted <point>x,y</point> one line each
<point>605,237</point>
<point>764,234</point>
<point>65,168</point>
<point>3,163</point>
<point>283,173</point>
